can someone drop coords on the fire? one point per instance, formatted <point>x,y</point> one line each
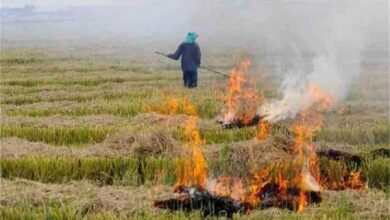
<point>200,171</point>
<point>230,187</point>
<point>263,129</point>
<point>299,130</point>
<point>282,185</point>
<point>172,106</point>
<point>238,190</point>
<point>302,202</point>
<point>310,121</point>
<point>241,99</point>
<point>222,187</point>
<point>293,184</point>
<point>355,181</point>
<point>192,172</point>
<point>321,97</point>
<point>257,182</point>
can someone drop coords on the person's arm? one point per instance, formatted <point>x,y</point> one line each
<point>177,54</point>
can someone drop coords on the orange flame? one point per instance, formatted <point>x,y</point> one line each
<point>222,187</point>
<point>172,106</point>
<point>300,131</point>
<point>238,191</point>
<point>310,121</point>
<point>257,182</point>
<point>184,174</point>
<point>282,185</point>
<point>355,181</point>
<point>302,202</point>
<point>263,129</point>
<point>241,99</point>
<point>232,187</point>
<point>305,172</point>
<point>199,172</point>
<point>192,172</point>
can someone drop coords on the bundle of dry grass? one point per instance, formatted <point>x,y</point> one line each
<point>154,142</point>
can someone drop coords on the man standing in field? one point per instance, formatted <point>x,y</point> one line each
<point>190,59</point>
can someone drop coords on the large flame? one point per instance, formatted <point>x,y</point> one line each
<point>193,172</point>
<point>241,97</point>
<point>195,141</point>
<point>309,122</point>
<point>302,174</point>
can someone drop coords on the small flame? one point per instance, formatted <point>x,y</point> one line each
<point>263,129</point>
<point>230,187</point>
<point>238,191</point>
<point>302,202</point>
<point>309,183</point>
<point>282,182</point>
<point>222,187</point>
<point>257,182</point>
<point>355,181</point>
<point>172,106</point>
<point>300,132</point>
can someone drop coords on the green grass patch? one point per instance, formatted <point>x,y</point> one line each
<point>101,170</point>
<point>20,60</point>
<point>84,82</point>
<point>124,109</point>
<point>356,134</point>
<point>150,170</point>
<point>22,100</point>
<point>208,108</point>
<point>222,135</point>
<point>58,136</point>
<point>377,173</point>
<point>26,210</point>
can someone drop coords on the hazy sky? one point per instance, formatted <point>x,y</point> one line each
<point>66,3</point>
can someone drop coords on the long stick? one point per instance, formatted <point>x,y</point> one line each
<point>214,71</point>
<point>201,67</point>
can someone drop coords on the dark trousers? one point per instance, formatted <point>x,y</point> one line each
<point>190,79</point>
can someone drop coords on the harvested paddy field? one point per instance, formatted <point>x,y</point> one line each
<point>199,109</point>
<point>106,138</point>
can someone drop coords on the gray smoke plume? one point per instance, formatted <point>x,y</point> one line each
<point>330,60</point>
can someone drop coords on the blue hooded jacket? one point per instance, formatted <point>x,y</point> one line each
<point>189,52</point>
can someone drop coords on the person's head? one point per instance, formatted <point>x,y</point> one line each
<point>191,37</point>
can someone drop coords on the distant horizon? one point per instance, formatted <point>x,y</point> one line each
<point>47,4</point>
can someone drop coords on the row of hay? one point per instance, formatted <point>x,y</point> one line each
<point>152,170</point>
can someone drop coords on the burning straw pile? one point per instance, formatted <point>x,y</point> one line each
<point>292,184</point>
<point>241,99</point>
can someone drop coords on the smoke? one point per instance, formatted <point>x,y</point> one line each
<point>331,59</point>
<point>304,42</point>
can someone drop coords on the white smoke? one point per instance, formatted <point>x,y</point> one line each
<point>331,63</point>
